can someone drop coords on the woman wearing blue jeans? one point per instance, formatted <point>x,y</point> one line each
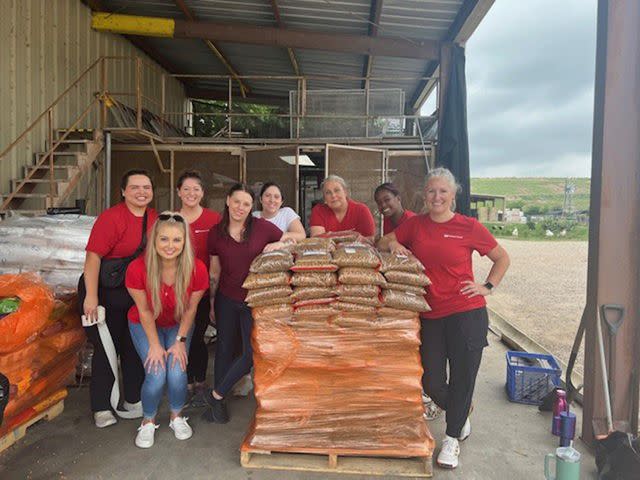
<point>166,286</point>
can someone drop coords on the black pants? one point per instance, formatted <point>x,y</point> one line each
<point>233,321</point>
<point>116,303</point>
<point>198,353</point>
<point>457,339</point>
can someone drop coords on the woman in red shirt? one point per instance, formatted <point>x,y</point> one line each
<point>116,233</point>
<point>201,220</point>
<point>387,197</point>
<point>339,212</point>
<point>166,285</point>
<point>455,330</point>
<point>233,244</point>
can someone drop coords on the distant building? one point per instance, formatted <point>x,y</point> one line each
<point>488,208</point>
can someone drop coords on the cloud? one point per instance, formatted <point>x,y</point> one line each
<point>530,74</point>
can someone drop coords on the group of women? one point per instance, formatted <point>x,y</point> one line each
<point>195,262</point>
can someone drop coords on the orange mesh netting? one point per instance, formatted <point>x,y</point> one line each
<point>36,304</point>
<point>347,383</point>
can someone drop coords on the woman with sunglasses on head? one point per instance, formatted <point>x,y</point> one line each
<point>116,234</point>
<point>201,220</point>
<point>285,218</point>
<point>233,244</point>
<point>166,285</point>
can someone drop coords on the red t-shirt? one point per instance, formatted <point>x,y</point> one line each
<point>200,233</point>
<point>117,232</point>
<point>236,257</point>
<point>388,226</point>
<point>136,278</point>
<point>358,218</point>
<point>445,250</point>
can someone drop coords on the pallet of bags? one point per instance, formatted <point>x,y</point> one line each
<point>39,344</point>
<point>337,372</point>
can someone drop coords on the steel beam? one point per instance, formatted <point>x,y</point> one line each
<point>244,89</point>
<point>281,37</point>
<point>280,24</point>
<point>614,259</point>
<point>374,19</point>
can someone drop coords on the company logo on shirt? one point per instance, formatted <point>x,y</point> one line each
<point>202,231</point>
<point>448,235</point>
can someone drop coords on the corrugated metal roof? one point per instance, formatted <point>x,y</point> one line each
<point>408,19</point>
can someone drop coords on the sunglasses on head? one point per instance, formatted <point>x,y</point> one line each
<point>168,216</point>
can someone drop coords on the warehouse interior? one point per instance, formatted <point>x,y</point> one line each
<point>97,87</point>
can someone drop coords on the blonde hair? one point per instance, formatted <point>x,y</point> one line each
<point>185,264</point>
<point>445,174</point>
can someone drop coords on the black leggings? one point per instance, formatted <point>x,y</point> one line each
<point>457,339</point>
<point>116,303</point>
<point>233,320</point>
<point>198,353</point>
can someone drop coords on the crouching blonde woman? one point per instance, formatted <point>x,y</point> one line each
<point>166,286</point>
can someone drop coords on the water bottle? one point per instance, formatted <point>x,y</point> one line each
<point>559,406</point>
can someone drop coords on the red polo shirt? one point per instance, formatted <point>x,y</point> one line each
<point>358,218</point>
<point>236,257</point>
<point>136,278</point>
<point>388,226</point>
<point>445,250</point>
<point>117,232</point>
<point>200,233</point>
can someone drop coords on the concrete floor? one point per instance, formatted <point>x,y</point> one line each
<point>509,441</point>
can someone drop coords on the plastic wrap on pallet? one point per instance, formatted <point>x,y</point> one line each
<point>52,246</point>
<point>346,383</point>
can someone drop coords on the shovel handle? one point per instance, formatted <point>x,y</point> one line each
<point>613,324</point>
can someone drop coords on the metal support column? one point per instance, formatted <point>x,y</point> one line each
<point>614,259</point>
<point>107,169</point>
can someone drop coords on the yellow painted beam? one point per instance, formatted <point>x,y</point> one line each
<point>133,24</point>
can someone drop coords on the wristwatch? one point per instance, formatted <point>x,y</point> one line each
<point>180,338</point>
<point>489,286</point>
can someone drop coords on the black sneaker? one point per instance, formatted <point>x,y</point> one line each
<point>217,411</point>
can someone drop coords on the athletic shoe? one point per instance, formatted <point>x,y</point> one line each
<point>448,456</point>
<point>217,412</point>
<point>135,408</point>
<point>181,428</point>
<point>144,438</point>
<point>431,410</point>
<point>466,430</point>
<point>104,418</point>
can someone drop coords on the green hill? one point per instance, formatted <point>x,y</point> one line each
<point>534,195</point>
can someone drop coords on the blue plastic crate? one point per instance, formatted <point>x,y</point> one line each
<point>531,376</point>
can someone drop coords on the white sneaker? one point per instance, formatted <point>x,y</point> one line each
<point>181,428</point>
<point>134,408</point>
<point>144,438</point>
<point>104,418</point>
<point>448,456</point>
<point>466,430</point>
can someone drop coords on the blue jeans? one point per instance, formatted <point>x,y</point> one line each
<point>174,377</point>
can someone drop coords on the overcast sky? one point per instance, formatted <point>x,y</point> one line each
<point>530,74</point>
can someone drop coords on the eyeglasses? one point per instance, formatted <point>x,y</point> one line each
<point>168,216</point>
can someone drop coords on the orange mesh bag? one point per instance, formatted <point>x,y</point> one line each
<point>347,383</point>
<point>36,303</point>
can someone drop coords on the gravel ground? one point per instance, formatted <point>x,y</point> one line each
<point>544,291</point>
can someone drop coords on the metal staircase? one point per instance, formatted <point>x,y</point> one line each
<point>53,176</point>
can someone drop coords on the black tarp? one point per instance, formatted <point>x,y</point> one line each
<point>453,139</point>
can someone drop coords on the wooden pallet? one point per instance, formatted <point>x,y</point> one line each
<point>335,463</point>
<point>20,431</point>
